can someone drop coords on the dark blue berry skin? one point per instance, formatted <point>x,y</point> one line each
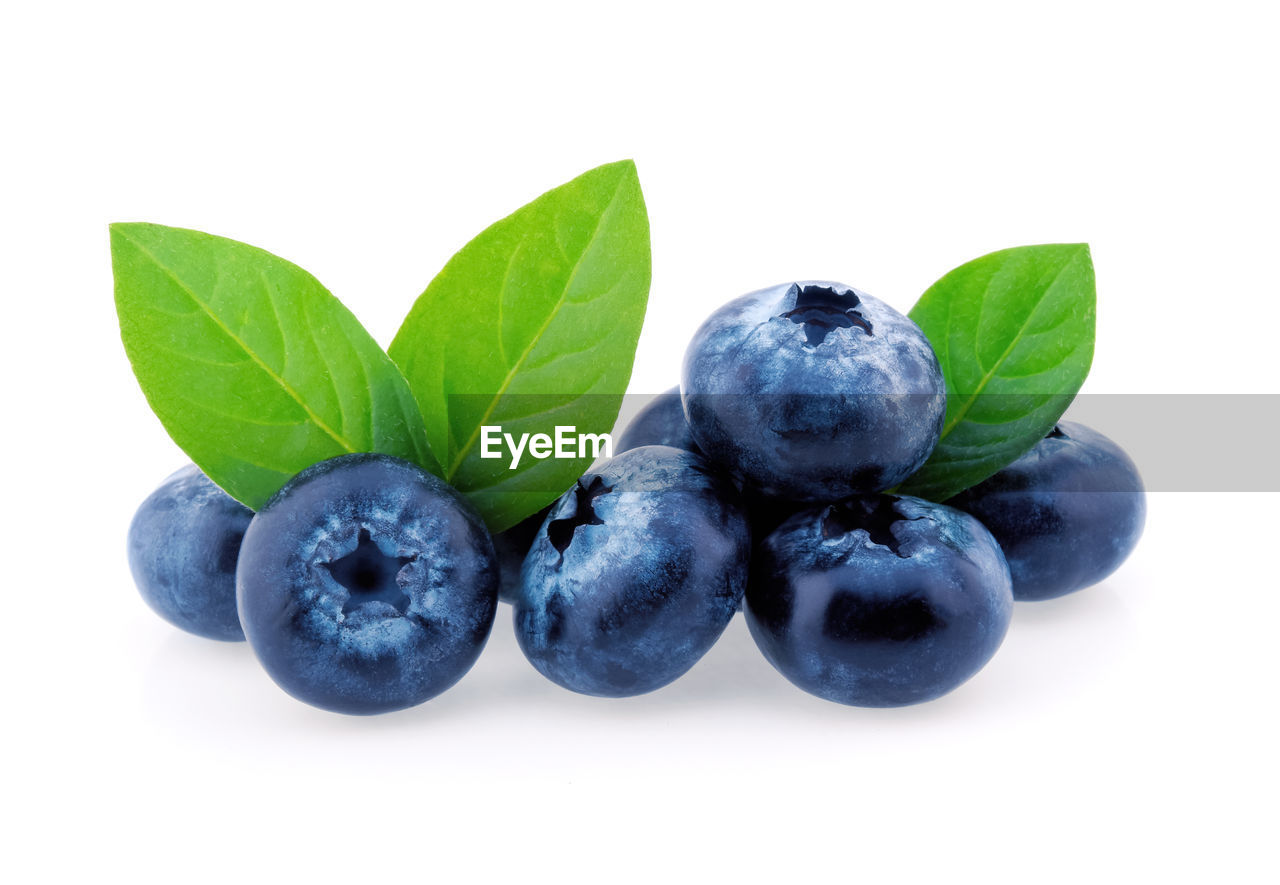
<point>1067,513</point>
<point>879,601</point>
<point>511,547</point>
<point>366,585</point>
<point>766,514</point>
<point>634,575</point>
<point>813,391</point>
<point>660,423</point>
<point>183,545</point>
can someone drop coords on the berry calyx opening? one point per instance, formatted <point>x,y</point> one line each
<point>560,531</point>
<point>875,515</point>
<point>822,309</point>
<point>369,575</point>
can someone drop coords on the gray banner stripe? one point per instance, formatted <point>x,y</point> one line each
<point>1181,442</point>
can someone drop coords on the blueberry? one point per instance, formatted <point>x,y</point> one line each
<point>183,545</point>
<point>366,585</point>
<point>813,391</point>
<point>660,423</point>
<point>1067,513</point>
<point>879,601</point>
<point>511,547</point>
<point>634,575</point>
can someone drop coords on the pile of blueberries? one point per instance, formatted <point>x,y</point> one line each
<point>764,484</point>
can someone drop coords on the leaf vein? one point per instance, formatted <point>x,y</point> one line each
<point>1013,341</point>
<point>282,382</point>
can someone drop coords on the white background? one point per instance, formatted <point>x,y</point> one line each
<point>1124,733</point>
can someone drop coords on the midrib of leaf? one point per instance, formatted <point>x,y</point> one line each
<point>551,315</point>
<point>284,385</point>
<point>1013,342</point>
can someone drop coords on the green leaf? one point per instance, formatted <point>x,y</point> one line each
<point>252,366</point>
<point>1013,331</point>
<point>532,324</point>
